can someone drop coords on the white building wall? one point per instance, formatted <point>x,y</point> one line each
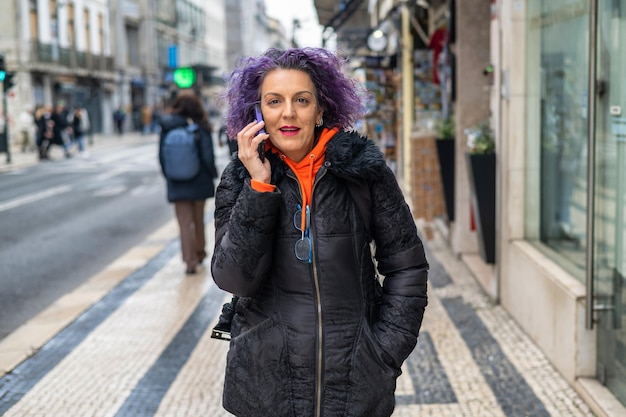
<point>248,32</point>
<point>215,37</point>
<point>44,22</point>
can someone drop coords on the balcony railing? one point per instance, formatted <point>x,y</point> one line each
<point>42,53</point>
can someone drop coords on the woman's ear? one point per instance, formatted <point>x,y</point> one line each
<point>319,120</point>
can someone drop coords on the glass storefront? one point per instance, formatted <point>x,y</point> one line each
<point>558,141</point>
<point>557,108</point>
<point>610,196</point>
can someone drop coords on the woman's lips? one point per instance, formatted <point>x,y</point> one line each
<point>289,131</point>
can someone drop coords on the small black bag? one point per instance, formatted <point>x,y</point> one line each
<point>222,328</point>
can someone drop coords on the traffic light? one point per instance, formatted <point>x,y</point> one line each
<point>2,68</point>
<point>184,77</point>
<point>8,79</point>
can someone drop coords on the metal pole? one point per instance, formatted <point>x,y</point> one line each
<point>407,95</point>
<point>591,167</point>
<point>6,124</point>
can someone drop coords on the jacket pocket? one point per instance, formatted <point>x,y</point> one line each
<point>373,379</point>
<point>378,354</point>
<point>257,376</point>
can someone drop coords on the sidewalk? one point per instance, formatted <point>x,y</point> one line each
<point>135,341</point>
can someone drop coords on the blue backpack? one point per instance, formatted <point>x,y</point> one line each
<point>180,153</point>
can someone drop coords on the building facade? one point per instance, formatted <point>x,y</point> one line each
<point>153,38</point>
<point>249,31</point>
<point>106,54</point>
<point>112,54</point>
<point>61,51</point>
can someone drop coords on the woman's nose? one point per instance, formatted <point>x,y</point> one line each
<point>289,111</point>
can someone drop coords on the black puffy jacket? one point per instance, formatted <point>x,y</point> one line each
<point>201,186</point>
<point>314,339</point>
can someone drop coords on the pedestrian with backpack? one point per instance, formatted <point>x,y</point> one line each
<point>187,162</point>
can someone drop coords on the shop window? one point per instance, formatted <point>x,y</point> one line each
<point>556,195</point>
<point>32,13</point>
<point>71,31</point>
<point>87,30</point>
<point>101,33</point>
<point>132,37</point>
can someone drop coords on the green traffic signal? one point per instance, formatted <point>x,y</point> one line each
<point>3,74</point>
<point>184,77</point>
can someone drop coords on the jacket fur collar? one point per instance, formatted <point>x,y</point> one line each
<point>348,155</point>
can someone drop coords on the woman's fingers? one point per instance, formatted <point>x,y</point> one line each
<point>248,141</point>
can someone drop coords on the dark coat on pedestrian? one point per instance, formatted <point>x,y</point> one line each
<point>60,134</point>
<point>201,186</point>
<point>323,334</point>
<point>77,124</point>
<point>45,128</point>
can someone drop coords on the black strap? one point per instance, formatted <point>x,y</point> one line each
<point>197,140</point>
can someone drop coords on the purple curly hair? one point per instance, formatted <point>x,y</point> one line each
<point>337,94</point>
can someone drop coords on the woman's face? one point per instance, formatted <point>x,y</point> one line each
<point>290,111</point>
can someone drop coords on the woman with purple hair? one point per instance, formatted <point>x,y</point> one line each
<point>313,331</point>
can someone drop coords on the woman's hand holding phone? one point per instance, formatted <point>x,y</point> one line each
<point>251,149</point>
<point>259,119</point>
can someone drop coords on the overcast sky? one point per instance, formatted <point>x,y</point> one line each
<point>310,33</point>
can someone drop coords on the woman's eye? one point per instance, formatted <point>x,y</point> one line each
<point>302,100</point>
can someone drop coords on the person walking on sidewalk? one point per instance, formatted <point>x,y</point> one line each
<point>119,116</point>
<point>313,331</point>
<point>146,119</point>
<point>222,139</point>
<point>45,131</point>
<point>189,196</point>
<point>62,130</point>
<point>81,126</point>
<point>27,123</point>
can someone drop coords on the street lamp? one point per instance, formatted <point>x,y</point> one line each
<point>377,41</point>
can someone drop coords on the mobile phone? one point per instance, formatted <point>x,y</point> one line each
<point>259,118</point>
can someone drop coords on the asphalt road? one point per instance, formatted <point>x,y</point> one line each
<point>63,221</point>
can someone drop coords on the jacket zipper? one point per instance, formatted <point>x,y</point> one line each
<point>318,297</point>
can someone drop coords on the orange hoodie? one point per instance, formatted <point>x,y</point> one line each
<point>305,170</point>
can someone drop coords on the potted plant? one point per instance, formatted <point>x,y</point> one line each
<point>446,155</point>
<point>481,164</point>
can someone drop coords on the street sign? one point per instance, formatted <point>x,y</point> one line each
<point>172,56</point>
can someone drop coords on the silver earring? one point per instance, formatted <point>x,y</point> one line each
<point>321,122</point>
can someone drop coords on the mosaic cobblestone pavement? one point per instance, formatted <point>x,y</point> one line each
<point>144,350</point>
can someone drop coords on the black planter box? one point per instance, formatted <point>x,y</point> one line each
<point>445,153</point>
<point>482,176</point>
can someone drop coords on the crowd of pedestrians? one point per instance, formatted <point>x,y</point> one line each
<point>58,126</point>
<point>45,126</point>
